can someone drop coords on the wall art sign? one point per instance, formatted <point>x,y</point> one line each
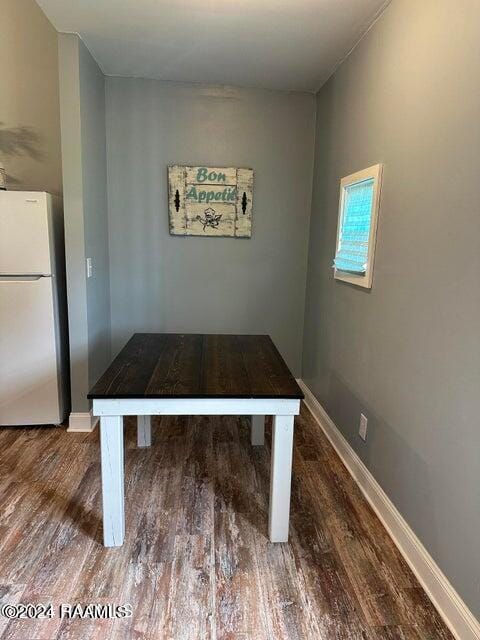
<point>210,201</point>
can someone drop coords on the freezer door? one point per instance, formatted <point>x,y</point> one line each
<point>29,393</point>
<point>24,232</point>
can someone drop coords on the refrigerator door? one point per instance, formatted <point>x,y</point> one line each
<point>29,388</point>
<point>24,232</point>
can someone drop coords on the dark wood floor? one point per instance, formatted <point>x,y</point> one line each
<point>196,562</point>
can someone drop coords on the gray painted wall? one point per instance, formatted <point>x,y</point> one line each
<point>407,353</point>
<point>95,210</point>
<point>82,97</point>
<point>73,217</point>
<point>169,283</point>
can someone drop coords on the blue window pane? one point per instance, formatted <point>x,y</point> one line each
<point>352,254</point>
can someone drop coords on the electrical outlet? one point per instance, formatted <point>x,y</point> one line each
<point>362,431</point>
<point>89,267</point>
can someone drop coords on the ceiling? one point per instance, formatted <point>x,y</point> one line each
<point>273,44</point>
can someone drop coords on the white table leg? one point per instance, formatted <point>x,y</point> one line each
<point>111,444</point>
<point>144,431</point>
<point>280,478</point>
<point>257,433</point>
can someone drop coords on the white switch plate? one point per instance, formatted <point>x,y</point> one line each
<point>362,431</point>
<point>89,267</point>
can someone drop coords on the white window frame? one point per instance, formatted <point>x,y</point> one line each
<point>375,173</point>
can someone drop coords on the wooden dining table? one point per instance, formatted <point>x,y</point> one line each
<point>159,374</point>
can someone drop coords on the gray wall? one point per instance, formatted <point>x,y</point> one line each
<point>82,92</point>
<point>94,163</point>
<point>29,104</point>
<point>166,283</point>
<point>407,353</point>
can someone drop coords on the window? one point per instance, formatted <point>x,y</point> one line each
<point>357,226</point>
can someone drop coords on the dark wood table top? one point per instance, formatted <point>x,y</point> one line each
<point>171,365</point>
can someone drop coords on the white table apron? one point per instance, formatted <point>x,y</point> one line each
<point>111,412</point>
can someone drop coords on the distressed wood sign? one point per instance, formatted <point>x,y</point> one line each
<point>210,201</point>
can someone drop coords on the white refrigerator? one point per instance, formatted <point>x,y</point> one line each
<point>34,372</point>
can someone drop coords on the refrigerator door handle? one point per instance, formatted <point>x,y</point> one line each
<point>25,278</point>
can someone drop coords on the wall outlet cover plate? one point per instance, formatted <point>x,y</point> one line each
<point>362,431</point>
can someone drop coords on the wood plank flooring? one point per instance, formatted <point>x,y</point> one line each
<point>196,563</point>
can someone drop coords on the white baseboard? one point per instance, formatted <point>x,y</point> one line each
<point>446,600</point>
<point>82,422</point>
